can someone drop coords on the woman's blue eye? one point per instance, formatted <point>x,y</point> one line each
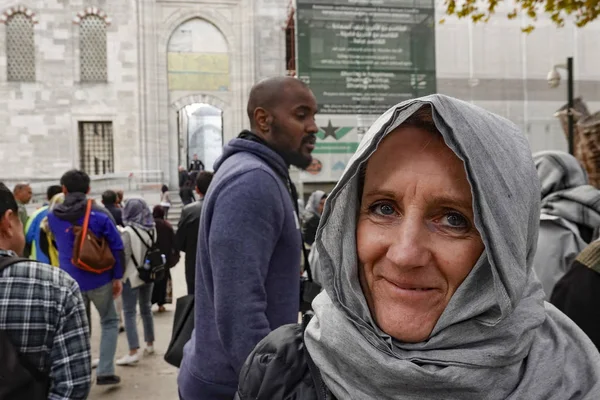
<point>455,220</point>
<point>383,209</point>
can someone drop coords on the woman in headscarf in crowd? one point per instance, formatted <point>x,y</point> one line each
<point>570,213</point>
<point>426,247</point>
<point>52,250</point>
<point>139,234</point>
<point>163,289</point>
<point>312,215</point>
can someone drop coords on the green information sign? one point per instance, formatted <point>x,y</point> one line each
<point>363,56</point>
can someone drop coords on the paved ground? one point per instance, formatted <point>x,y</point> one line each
<point>152,378</point>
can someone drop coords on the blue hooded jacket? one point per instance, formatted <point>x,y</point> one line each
<point>247,268</point>
<point>61,221</point>
<point>33,235</point>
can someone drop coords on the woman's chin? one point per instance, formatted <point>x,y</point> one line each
<point>408,328</point>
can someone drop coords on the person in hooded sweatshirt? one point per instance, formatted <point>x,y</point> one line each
<point>570,213</point>
<point>99,289</point>
<point>426,246</point>
<point>248,264</point>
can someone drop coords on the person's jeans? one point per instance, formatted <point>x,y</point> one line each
<point>131,296</point>
<point>102,298</point>
<point>119,307</point>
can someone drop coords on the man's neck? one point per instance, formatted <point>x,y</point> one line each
<point>4,249</point>
<point>256,137</point>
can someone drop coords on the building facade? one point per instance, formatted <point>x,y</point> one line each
<point>101,85</point>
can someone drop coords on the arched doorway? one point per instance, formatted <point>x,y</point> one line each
<point>198,73</point>
<point>200,133</point>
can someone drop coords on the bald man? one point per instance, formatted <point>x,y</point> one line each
<point>248,259</point>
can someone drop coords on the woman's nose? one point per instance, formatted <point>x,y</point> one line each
<point>409,247</point>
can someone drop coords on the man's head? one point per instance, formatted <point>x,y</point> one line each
<point>22,193</point>
<point>181,168</point>
<point>11,228</point>
<point>195,157</point>
<point>75,181</point>
<point>53,191</point>
<point>203,182</point>
<point>282,112</point>
<point>109,198</point>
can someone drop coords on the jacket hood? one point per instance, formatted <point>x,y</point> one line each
<point>73,207</point>
<point>258,149</point>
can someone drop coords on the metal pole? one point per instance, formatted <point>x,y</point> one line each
<point>570,105</point>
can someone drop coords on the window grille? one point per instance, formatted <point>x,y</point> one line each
<point>92,49</point>
<point>20,48</point>
<point>96,147</point>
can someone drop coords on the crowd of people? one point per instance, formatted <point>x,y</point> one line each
<point>448,262</point>
<point>52,338</point>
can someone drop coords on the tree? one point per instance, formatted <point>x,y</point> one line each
<point>583,11</point>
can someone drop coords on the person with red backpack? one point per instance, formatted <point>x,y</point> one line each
<point>44,335</point>
<point>99,286</point>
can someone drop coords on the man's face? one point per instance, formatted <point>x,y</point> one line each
<point>293,127</point>
<point>11,232</point>
<point>24,194</point>
<point>195,157</point>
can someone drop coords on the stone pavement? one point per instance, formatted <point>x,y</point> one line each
<point>152,378</point>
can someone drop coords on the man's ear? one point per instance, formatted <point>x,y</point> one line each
<point>88,190</point>
<point>6,223</point>
<point>64,189</point>
<point>263,119</point>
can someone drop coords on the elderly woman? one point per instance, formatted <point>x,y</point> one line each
<point>429,289</point>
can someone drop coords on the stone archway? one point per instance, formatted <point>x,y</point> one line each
<point>179,106</point>
<point>199,71</point>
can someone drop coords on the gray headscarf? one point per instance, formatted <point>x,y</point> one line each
<point>496,339</point>
<point>312,207</point>
<point>137,214</point>
<point>565,190</point>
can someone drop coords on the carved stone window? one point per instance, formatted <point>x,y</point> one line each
<point>20,47</point>
<point>92,49</point>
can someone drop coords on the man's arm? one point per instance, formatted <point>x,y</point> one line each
<point>70,356</point>
<point>246,223</point>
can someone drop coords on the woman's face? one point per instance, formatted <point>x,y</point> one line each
<point>321,205</point>
<point>416,238</point>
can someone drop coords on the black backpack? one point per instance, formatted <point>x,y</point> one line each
<point>153,267</point>
<point>19,378</point>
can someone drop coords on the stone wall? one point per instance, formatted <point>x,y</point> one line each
<point>39,120</point>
